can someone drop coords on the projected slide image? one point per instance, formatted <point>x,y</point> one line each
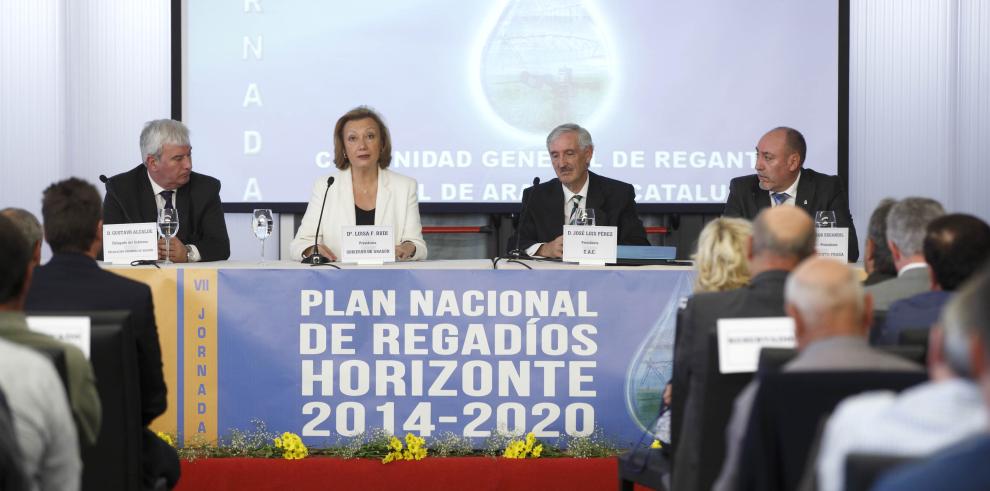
<point>675,94</point>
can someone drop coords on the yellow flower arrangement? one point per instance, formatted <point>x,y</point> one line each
<point>656,444</point>
<point>166,438</point>
<point>291,445</point>
<point>415,449</point>
<point>521,449</point>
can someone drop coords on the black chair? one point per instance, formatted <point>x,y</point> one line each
<point>772,359</point>
<point>863,470</point>
<point>787,412</point>
<point>700,470</point>
<point>57,357</point>
<point>114,462</point>
<point>645,466</point>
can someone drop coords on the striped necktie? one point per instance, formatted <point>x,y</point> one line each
<point>780,198</point>
<point>577,204</point>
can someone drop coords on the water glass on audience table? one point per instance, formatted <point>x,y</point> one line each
<point>824,219</point>
<point>584,216</point>
<point>168,226</point>
<point>262,224</point>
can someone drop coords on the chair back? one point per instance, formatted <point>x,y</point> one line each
<point>697,463</point>
<point>786,415</point>
<point>114,462</point>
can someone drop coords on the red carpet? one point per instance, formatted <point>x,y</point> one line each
<point>472,473</point>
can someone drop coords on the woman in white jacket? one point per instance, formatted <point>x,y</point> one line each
<point>364,192</point>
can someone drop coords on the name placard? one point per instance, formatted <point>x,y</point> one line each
<point>832,242</point>
<point>740,341</point>
<point>367,244</point>
<point>590,245</point>
<point>127,242</point>
<point>74,330</point>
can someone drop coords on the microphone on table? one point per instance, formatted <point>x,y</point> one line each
<point>315,257</point>
<point>106,185</point>
<point>515,252</point>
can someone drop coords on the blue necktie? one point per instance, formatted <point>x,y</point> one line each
<point>780,198</point>
<point>167,196</point>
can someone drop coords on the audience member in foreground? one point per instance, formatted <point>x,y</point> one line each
<point>29,227</point>
<point>782,238</point>
<point>955,246</point>
<point>782,179</point>
<point>918,421</point>
<point>906,225</point>
<point>83,397</point>
<point>364,192</point>
<point>73,281</point>
<point>164,179</point>
<point>962,467</point>
<point>558,202</point>
<point>877,261</point>
<point>49,445</point>
<point>720,262</point>
<point>831,316</point>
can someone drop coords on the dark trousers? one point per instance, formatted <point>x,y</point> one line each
<point>159,460</point>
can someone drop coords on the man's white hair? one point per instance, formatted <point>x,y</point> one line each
<point>814,298</point>
<point>162,132</point>
<point>584,138</point>
<point>907,221</point>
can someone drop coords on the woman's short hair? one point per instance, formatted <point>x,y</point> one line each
<point>360,112</point>
<point>720,261</point>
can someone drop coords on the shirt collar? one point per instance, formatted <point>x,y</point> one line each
<point>583,193</point>
<point>792,190</point>
<point>155,188</point>
<point>911,266</point>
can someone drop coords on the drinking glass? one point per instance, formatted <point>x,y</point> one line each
<point>825,219</point>
<point>168,226</point>
<point>585,216</point>
<point>262,226</point>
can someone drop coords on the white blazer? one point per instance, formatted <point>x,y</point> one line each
<point>396,204</point>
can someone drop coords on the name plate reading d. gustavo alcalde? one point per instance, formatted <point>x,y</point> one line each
<point>367,244</point>
<point>590,245</point>
<point>127,242</point>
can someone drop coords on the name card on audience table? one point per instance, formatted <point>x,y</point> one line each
<point>124,243</point>
<point>367,244</point>
<point>72,330</point>
<point>740,341</point>
<point>590,245</point>
<point>832,242</point>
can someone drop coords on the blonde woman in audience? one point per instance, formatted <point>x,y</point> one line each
<point>720,261</point>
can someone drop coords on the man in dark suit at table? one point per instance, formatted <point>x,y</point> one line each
<point>165,180</point>
<point>782,238</point>
<point>551,205</point>
<point>781,179</point>
<point>73,281</point>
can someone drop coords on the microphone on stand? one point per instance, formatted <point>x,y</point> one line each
<point>515,253</point>
<point>315,257</point>
<point>106,185</point>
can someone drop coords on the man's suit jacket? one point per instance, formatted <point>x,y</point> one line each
<point>816,192</point>
<point>916,312</point>
<point>75,282</point>
<point>397,204</point>
<point>962,467</point>
<point>201,221</point>
<point>614,203</point>
<point>908,284</point>
<point>763,297</point>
